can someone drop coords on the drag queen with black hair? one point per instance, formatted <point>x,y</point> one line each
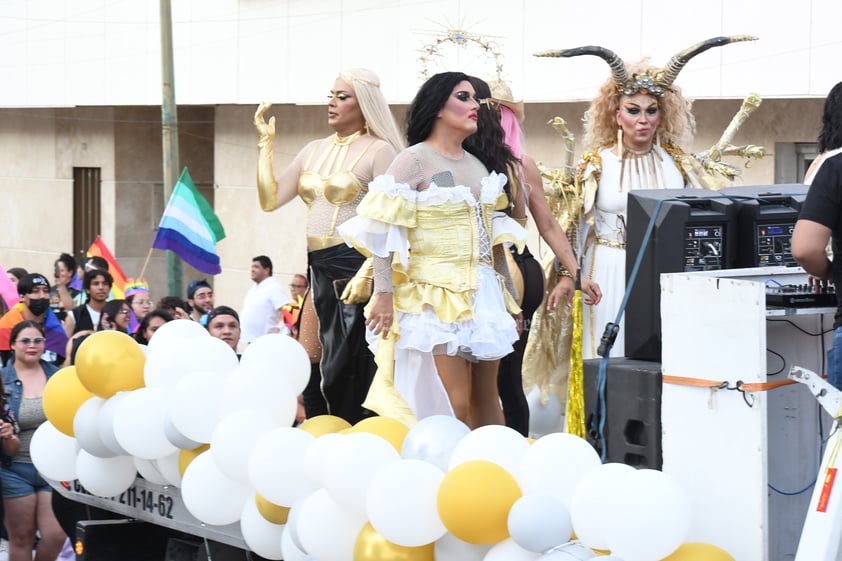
<point>331,175</point>
<point>443,300</point>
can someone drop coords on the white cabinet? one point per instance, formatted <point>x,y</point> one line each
<point>737,452</point>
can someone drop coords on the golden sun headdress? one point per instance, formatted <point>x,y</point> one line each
<point>654,81</point>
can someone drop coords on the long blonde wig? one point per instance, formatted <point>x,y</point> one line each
<point>378,117</point>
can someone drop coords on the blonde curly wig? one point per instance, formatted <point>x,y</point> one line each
<point>677,122</point>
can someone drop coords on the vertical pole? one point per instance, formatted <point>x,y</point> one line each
<point>169,132</point>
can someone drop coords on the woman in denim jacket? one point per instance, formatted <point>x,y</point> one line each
<point>26,496</point>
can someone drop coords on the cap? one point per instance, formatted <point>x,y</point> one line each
<point>196,285</point>
<point>220,311</point>
<point>30,281</point>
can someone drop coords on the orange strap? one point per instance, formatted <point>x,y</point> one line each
<point>702,383</point>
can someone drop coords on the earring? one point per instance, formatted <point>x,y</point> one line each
<point>657,138</point>
<point>620,142</point>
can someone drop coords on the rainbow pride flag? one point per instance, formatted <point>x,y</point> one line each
<point>98,248</point>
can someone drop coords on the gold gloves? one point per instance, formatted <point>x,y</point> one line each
<point>267,186</point>
<point>359,288</point>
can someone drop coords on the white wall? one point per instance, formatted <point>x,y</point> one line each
<point>107,52</point>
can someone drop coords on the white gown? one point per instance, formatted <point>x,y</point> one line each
<point>606,264</point>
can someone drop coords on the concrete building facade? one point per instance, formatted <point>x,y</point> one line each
<point>82,91</point>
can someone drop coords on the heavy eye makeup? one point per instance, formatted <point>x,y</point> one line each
<point>465,96</point>
<point>635,110</point>
<point>341,96</point>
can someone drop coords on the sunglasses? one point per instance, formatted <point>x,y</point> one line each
<point>28,341</point>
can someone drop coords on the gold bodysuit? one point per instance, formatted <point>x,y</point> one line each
<point>334,178</point>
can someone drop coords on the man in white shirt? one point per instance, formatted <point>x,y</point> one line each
<point>262,307</point>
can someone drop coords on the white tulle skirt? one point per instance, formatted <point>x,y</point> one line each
<point>488,336</point>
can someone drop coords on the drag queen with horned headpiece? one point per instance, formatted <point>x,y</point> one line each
<point>634,128</point>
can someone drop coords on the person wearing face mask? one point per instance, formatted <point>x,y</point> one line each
<point>34,291</point>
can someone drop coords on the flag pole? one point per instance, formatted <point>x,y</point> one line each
<point>169,132</point>
<point>145,264</point>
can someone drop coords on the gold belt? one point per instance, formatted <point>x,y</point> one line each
<point>611,243</point>
<point>315,244</point>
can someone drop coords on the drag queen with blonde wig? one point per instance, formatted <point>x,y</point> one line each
<point>635,128</point>
<point>331,175</point>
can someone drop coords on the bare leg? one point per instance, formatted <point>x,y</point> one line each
<point>52,536</point>
<point>455,374</point>
<point>20,523</point>
<point>485,400</point>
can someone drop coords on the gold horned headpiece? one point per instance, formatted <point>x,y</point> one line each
<point>654,81</point>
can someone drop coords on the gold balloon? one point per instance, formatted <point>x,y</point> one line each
<point>63,395</point>
<point>276,514</point>
<point>474,500</point>
<point>108,362</point>
<point>324,424</point>
<point>187,456</point>
<point>389,429</point>
<point>371,546</point>
<point>697,551</point>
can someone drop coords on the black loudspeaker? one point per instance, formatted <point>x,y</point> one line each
<point>632,429</point>
<point>765,223</point>
<point>694,230</point>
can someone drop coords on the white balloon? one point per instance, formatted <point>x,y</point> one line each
<point>652,518</point>
<point>176,438</point>
<point>148,469</point>
<point>544,418</point>
<point>195,406</point>
<point>555,463</point>
<point>168,466</point>
<point>53,453</point>
<point>401,503</point>
<point>282,355</point>
<point>499,444</point>
<point>321,516</point>
<point>177,329</point>
<point>105,423</point>
<point>105,477</point>
<point>450,548</point>
<point>348,478</point>
<point>539,522</point>
<point>210,495</point>
<point>233,440</point>
<point>258,387</point>
<point>168,362</point>
<point>292,524</point>
<point>433,440</point>
<point>569,552</point>
<point>596,496</point>
<point>321,454</point>
<point>290,551</point>
<point>139,424</point>
<point>508,550</point>
<point>260,535</point>
<point>86,430</point>
<point>277,467</point>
